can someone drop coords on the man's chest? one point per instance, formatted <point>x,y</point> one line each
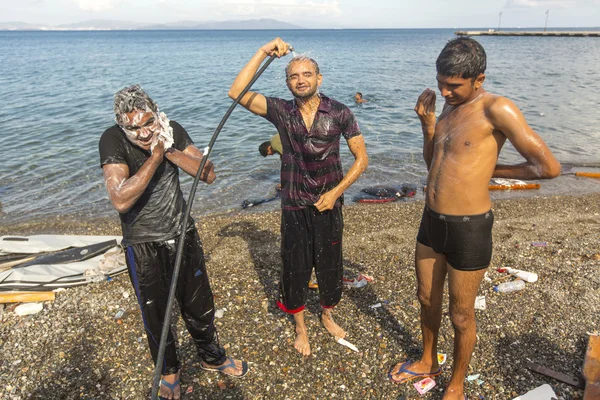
<point>462,130</point>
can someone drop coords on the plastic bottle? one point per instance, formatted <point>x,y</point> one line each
<point>510,286</point>
<point>526,276</point>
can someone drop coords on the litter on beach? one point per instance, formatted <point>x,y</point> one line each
<point>543,392</point>
<point>346,343</point>
<point>539,244</point>
<point>441,358</point>
<point>358,282</point>
<point>425,385</point>
<point>480,303</point>
<point>220,312</point>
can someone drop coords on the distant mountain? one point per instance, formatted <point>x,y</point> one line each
<point>249,24</point>
<point>127,25</point>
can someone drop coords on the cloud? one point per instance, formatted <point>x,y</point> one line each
<point>95,5</point>
<point>282,8</point>
<point>550,3</point>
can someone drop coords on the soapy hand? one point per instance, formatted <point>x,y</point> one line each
<point>165,132</point>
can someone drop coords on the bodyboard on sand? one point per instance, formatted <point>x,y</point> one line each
<point>70,255</point>
<point>47,243</point>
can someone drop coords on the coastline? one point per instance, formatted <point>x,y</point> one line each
<point>74,348</point>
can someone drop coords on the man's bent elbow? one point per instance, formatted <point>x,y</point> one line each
<point>233,94</point>
<point>551,171</point>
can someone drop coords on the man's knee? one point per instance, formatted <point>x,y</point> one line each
<point>425,298</point>
<point>462,319</point>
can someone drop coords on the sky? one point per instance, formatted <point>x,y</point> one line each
<point>314,13</point>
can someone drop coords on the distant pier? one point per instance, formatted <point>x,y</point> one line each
<point>529,33</point>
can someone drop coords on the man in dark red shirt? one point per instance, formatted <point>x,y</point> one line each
<point>312,182</point>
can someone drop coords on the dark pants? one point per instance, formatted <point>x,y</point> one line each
<point>310,238</point>
<point>150,267</point>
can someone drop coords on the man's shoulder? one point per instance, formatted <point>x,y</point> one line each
<point>496,106</point>
<point>112,133</point>
<point>335,105</point>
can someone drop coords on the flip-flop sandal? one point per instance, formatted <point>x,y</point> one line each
<point>171,386</point>
<point>230,364</point>
<point>414,375</point>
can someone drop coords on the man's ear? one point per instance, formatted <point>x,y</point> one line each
<point>479,81</point>
<point>319,79</point>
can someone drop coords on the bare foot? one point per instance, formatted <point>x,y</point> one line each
<point>301,344</point>
<point>418,368</point>
<point>333,328</point>
<point>236,370</point>
<point>168,392</point>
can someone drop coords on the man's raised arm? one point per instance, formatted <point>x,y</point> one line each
<point>124,190</point>
<point>256,102</point>
<point>425,109</point>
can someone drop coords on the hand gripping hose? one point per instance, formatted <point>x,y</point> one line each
<point>207,150</point>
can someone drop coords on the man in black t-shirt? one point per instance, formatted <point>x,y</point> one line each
<point>141,156</point>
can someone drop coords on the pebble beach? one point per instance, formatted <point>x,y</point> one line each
<point>75,349</point>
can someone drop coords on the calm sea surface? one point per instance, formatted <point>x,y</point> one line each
<point>56,93</point>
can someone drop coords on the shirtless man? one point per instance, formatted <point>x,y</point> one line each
<point>312,180</point>
<point>455,236</point>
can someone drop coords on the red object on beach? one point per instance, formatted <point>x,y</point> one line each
<point>515,187</point>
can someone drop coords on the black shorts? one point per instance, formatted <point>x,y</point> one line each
<point>310,238</point>
<point>466,240</point>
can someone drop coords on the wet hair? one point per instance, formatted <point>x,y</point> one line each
<point>130,99</point>
<point>264,148</point>
<point>463,58</point>
<point>299,59</point>
<point>359,93</point>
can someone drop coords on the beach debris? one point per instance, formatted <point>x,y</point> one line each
<point>539,244</point>
<point>425,385</point>
<point>559,376</point>
<point>346,343</point>
<point>526,276</point>
<point>513,286</point>
<point>441,358</point>
<point>543,392</point>
<point>220,312</point>
<point>28,309</point>
<point>486,277</point>
<point>119,315</point>
<point>358,282</point>
<point>190,389</point>
<point>25,297</point>
<point>480,303</point>
<point>472,378</point>
<point>379,305</point>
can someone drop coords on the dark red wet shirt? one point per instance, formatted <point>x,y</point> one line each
<point>311,162</point>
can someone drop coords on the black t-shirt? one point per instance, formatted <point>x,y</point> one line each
<point>156,215</point>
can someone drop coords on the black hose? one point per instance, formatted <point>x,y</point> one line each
<point>167,321</point>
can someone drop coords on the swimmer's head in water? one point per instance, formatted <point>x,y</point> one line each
<point>358,95</point>
<point>138,116</point>
<point>303,77</point>
<point>460,70</point>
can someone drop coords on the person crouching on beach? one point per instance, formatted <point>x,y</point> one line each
<point>312,180</point>
<point>455,236</point>
<point>141,156</point>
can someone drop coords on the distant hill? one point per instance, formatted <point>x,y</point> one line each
<point>250,24</point>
